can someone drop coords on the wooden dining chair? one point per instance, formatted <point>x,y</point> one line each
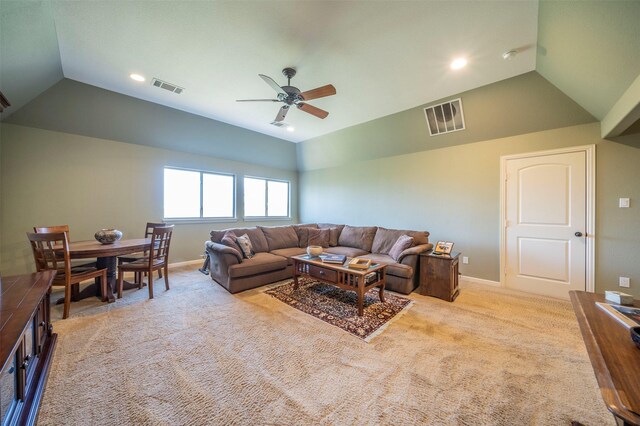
<point>143,255</point>
<point>65,229</point>
<point>157,259</point>
<point>51,252</point>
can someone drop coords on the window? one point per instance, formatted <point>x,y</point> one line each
<point>190,194</point>
<point>266,198</point>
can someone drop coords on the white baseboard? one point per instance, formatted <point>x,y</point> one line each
<point>186,263</point>
<point>480,281</point>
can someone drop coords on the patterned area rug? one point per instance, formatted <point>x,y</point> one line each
<point>339,307</point>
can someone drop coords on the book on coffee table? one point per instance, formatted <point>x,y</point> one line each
<point>333,258</point>
<point>628,316</point>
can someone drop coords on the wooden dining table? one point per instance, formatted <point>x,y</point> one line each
<point>107,257</point>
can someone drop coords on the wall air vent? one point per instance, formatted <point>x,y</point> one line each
<point>445,118</point>
<point>167,86</point>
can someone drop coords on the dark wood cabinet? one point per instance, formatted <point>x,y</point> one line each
<point>26,345</point>
<point>439,276</point>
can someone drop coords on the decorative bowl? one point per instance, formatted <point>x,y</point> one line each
<point>314,251</point>
<point>635,335</point>
<point>108,236</point>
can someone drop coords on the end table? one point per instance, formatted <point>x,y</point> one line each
<point>439,276</point>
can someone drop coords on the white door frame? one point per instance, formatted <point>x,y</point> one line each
<point>590,153</point>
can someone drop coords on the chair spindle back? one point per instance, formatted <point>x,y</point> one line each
<point>50,251</point>
<point>160,242</point>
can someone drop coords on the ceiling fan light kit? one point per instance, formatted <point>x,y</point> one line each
<point>291,95</point>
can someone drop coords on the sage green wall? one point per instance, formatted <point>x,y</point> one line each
<point>454,193</point>
<point>589,49</point>
<point>523,104</point>
<point>53,178</point>
<point>73,107</point>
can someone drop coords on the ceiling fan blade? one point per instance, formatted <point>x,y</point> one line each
<point>282,113</point>
<point>258,100</point>
<point>272,83</point>
<point>320,113</point>
<point>319,92</point>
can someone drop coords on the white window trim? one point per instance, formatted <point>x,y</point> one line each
<point>266,200</point>
<point>203,219</point>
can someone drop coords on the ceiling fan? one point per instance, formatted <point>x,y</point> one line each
<point>293,96</point>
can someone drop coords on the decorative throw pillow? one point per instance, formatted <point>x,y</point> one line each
<point>303,236</point>
<point>245,246</point>
<point>334,233</point>
<point>230,239</point>
<point>319,237</point>
<point>403,243</point>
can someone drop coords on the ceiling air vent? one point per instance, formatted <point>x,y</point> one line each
<point>167,86</point>
<point>445,118</point>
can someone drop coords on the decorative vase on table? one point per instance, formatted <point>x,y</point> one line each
<point>108,236</point>
<point>314,251</point>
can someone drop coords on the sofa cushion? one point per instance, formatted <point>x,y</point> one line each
<point>230,239</point>
<point>357,236</point>
<point>386,238</point>
<point>258,241</point>
<point>244,243</point>
<point>258,264</point>
<point>334,235</point>
<point>319,237</point>
<point>280,236</point>
<point>393,267</point>
<point>288,252</point>
<point>303,233</point>
<point>335,232</point>
<point>403,243</point>
<point>346,251</point>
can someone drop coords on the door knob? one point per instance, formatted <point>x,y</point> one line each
<point>578,234</point>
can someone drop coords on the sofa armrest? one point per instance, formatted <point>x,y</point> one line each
<point>412,253</point>
<point>220,250</point>
<point>221,257</point>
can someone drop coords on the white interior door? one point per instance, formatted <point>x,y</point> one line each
<point>546,223</point>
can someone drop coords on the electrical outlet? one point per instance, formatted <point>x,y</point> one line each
<point>624,282</point>
<point>465,260</point>
<point>623,203</point>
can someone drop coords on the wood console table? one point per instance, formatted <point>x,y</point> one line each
<point>614,357</point>
<point>27,342</point>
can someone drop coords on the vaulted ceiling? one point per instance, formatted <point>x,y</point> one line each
<point>383,57</point>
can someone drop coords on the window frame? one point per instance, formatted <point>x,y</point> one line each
<point>201,218</point>
<point>266,199</point>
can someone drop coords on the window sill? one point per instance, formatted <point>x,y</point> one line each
<point>265,219</point>
<point>200,220</point>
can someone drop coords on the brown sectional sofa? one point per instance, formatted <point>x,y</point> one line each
<point>274,246</point>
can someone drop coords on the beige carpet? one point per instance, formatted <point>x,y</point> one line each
<point>198,355</point>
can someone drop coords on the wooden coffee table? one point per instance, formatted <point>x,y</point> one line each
<point>341,276</point>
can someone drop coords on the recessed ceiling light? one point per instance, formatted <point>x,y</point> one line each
<point>290,129</point>
<point>136,77</point>
<point>458,63</point>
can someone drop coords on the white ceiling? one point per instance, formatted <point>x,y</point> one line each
<point>383,57</point>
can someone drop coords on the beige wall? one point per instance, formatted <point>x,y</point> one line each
<point>454,193</point>
<point>53,178</point>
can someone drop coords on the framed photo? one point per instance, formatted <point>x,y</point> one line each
<point>443,247</point>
